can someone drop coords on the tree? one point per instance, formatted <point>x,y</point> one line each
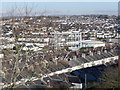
<point>16,57</point>
<point>110,79</point>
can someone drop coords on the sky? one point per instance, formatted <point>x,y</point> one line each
<point>64,8</point>
<point>59,0</point>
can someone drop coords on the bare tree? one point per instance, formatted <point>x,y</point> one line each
<point>18,49</point>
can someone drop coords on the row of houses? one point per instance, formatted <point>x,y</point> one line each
<point>45,68</point>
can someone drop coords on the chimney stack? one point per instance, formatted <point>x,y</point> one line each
<point>91,53</point>
<point>75,57</point>
<point>83,55</point>
<point>99,52</point>
<point>65,79</point>
<point>111,48</point>
<point>105,51</point>
<point>48,83</point>
<point>55,60</point>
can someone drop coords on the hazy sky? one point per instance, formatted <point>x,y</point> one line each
<point>66,8</point>
<point>59,0</point>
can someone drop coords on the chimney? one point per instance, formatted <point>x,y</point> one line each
<point>55,60</point>
<point>111,48</point>
<point>77,52</point>
<point>91,53</point>
<point>1,55</point>
<point>99,52</point>
<point>105,51</point>
<point>83,55</point>
<point>48,83</point>
<point>65,79</point>
<point>74,57</point>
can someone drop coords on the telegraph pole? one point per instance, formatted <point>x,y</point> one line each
<point>119,63</point>
<point>85,81</point>
<point>118,51</point>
